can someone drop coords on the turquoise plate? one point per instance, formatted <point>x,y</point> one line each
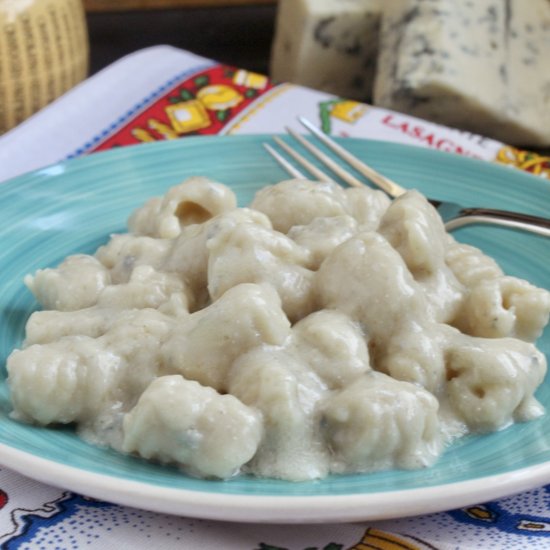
<point>74,206</point>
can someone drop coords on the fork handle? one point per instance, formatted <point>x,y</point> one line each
<point>513,220</point>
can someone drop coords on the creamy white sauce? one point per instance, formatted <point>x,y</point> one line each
<point>320,330</point>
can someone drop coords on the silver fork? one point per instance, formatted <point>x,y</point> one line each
<point>454,215</point>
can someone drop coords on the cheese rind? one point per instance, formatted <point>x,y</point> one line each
<point>480,66</point>
<point>328,45</point>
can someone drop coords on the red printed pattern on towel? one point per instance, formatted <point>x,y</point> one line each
<point>200,104</point>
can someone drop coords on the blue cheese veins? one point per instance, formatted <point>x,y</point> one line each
<point>481,66</point>
<point>329,45</point>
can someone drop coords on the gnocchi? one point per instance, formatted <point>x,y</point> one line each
<point>320,330</point>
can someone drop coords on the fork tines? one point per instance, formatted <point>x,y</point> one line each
<point>389,186</point>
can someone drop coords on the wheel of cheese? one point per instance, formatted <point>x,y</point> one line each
<point>43,53</point>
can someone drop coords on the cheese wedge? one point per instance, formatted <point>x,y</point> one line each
<point>328,45</point>
<point>482,66</point>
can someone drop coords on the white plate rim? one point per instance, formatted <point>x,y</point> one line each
<point>275,509</point>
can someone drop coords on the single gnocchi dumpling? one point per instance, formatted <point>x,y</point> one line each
<point>414,228</point>
<point>75,284</point>
<point>366,278</point>
<point>146,288</point>
<point>469,264</point>
<point>124,252</point>
<point>322,235</point>
<point>136,336</point>
<point>46,326</point>
<point>415,353</point>
<point>49,326</point>
<point>194,201</point>
<point>505,306</point>
<point>379,423</point>
<point>179,421</point>
<point>367,206</point>
<point>191,250</point>
<point>204,346</point>
<point>491,382</point>
<point>250,253</point>
<point>286,392</point>
<point>332,345</point>
<point>61,382</point>
<point>76,377</point>
<point>299,202</point>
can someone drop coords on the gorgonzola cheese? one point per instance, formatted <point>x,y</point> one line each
<point>481,66</point>
<point>329,45</point>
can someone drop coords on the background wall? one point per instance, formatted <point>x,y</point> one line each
<point>238,35</point>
